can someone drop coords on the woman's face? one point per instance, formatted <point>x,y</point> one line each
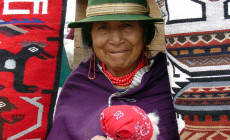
<point>118,44</point>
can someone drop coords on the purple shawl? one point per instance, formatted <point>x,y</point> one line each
<point>82,100</point>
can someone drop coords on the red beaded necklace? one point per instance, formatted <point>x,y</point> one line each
<point>126,79</point>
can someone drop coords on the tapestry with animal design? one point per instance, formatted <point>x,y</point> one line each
<point>31,43</point>
<point>197,38</point>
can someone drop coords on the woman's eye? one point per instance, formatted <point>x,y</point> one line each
<point>101,27</point>
<point>127,25</point>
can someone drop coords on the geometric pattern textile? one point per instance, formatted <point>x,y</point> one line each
<point>197,39</point>
<point>31,34</point>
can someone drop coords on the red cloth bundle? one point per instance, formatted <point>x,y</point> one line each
<point>125,122</point>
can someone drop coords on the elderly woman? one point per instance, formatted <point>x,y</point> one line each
<point>119,72</point>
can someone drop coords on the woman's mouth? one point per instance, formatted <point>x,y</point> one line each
<point>118,52</point>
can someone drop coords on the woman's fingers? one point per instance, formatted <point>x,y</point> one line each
<point>99,138</point>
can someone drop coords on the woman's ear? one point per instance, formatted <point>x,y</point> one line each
<point>145,41</point>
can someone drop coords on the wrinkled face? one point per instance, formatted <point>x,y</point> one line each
<point>118,44</point>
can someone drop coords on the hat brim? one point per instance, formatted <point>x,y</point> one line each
<point>125,17</point>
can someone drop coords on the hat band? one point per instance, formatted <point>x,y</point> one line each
<point>116,8</point>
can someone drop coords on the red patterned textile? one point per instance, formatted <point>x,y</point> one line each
<point>31,34</point>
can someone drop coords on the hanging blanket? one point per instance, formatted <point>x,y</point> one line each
<point>198,51</point>
<point>30,59</point>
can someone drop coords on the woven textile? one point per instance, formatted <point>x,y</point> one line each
<point>198,50</point>
<point>31,34</point>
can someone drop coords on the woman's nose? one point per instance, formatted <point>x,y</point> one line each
<point>116,36</point>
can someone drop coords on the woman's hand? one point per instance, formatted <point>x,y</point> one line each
<point>99,138</point>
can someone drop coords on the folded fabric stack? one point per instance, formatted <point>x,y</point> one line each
<point>198,50</point>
